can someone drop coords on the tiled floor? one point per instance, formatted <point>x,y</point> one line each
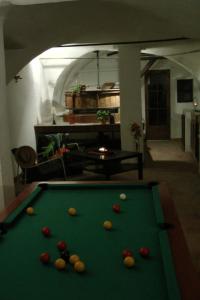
<point>168,151</point>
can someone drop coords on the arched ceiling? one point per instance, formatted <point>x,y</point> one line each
<point>31,29</point>
<point>77,22</point>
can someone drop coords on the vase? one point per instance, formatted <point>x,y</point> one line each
<point>137,146</point>
<point>103,122</point>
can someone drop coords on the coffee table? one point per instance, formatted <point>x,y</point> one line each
<point>109,163</point>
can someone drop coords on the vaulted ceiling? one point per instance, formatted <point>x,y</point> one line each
<point>31,29</point>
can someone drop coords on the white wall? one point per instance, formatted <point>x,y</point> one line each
<point>6,174</point>
<point>26,99</point>
<point>130,95</point>
<point>108,71</point>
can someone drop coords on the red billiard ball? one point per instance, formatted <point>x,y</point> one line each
<point>46,231</point>
<point>144,251</point>
<point>116,208</point>
<point>45,257</point>
<point>126,252</point>
<point>61,245</point>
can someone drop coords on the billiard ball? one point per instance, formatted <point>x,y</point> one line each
<point>73,259</point>
<point>46,231</point>
<point>107,225</point>
<point>72,211</point>
<point>129,261</point>
<point>116,208</point>
<point>65,255</point>
<point>45,257</point>
<point>144,251</point>
<point>60,264</point>
<point>79,266</point>
<point>126,252</point>
<point>122,196</point>
<point>30,211</point>
<point>61,245</point>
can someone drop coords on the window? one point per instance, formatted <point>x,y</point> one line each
<point>185,90</point>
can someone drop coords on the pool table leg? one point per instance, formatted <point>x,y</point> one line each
<point>106,168</point>
<point>107,176</point>
<point>140,166</point>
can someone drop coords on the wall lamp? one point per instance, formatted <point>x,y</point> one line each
<point>17,77</point>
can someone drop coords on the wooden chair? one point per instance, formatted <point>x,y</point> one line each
<point>33,169</point>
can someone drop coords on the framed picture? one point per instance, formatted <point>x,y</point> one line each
<point>184,90</point>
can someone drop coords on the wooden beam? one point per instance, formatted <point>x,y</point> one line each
<point>112,53</point>
<point>146,56</point>
<point>182,38</point>
<point>148,66</point>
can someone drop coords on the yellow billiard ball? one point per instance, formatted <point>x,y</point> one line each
<point>129,261</point>
<point>30,210</point>
<point>107,225</point>
<point>79,266</point>
<point>72,211</point>
<point>60,264</point>
<point>74,258</point>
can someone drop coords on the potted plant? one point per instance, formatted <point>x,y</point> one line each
<point>49,150</point>
<point>136,131</point>
<point>102,115</point>
<point>55,141</point>
<point>78,88</point>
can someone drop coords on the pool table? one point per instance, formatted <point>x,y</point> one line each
<point>147,219</point>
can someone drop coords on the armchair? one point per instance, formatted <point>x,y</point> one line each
<point>33,169</point>
<point>73,164</point>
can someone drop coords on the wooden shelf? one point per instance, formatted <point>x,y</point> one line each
<point>90,110</point>
<point>88,102</point>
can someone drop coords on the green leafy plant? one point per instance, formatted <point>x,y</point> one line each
<point>76,89</point>
<point>137,133</point>
<point>49,150</point>
<point>102,114</point>
<point>136,130</point>
<point>55,142</point>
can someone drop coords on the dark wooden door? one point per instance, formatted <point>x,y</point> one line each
<point>157,96</point>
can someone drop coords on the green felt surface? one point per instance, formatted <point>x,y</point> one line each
<point>24,277</point>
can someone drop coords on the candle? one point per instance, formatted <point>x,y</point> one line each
<point>103,149</point>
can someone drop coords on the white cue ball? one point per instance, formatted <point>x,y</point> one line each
<point>122,196</point>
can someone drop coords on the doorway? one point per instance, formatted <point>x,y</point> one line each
<point>157,102</point>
